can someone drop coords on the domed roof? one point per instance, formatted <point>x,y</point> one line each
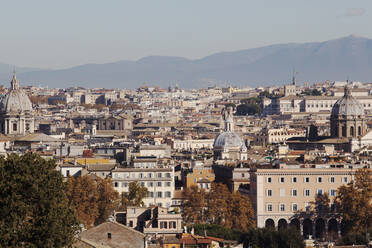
<point>16,100</point>
<point>347,106</point>
<point>229,140</point>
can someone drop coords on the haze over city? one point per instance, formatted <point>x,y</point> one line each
<point>186,124</point>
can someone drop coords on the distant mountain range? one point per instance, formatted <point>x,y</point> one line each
<point>339,59</point>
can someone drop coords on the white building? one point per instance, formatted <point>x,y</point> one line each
<point>192,144</point>
<point>158,181</point>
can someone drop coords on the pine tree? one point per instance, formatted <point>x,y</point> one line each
<point>34,210</point>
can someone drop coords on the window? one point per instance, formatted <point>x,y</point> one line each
<point>269,192</point>
<point>345,179</point>
<point>108,235</point>
<point>269,179</point>
<point>168,175</point>
<point>332,179</point>
<point>132,210</point>
<point>243,175</point>
<point>319,192</point>
<point>282,180</point>
<point>149,175</point>
<point>116,184</point>
<point>307,179</point>
<point>269,207</point>
<point>159,184</point>
<point>150,184</point>
<point>168,184</point>
<point>332,192</point>
<point>159,175</point>
<point>14,126</point>
<point>141,175</point>
<point>307,206</point>
<point>167,194</point>
<point>294,179</point>
<point>172,224</point>
<point>307,192</point>
<point>163,225</point>
<point>67,173</point>
<point>142,184</point>
<point>131,223</point>
<point>294,207</point>
<point>282,207</point>
<point>151,194</point>
<point>294,192</point>
<point>320,179</point>
<point>282,192</point>
<point>159,194</point>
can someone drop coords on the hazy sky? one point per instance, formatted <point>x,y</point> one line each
<point>59,34</point>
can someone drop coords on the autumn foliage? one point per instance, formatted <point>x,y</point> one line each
<point>93,200</point>
<point>354,202</point>
<point>219,206</point>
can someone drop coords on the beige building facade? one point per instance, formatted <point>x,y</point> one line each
<point>278,195</point>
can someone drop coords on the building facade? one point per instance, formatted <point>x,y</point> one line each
<point>16,113</point>
<point>278,195</point>
<point>158,181</point>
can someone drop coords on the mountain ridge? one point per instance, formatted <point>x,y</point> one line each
<point>337,59</point>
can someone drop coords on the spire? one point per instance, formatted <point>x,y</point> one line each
<point>14,83</point>
<point>294,77</point>
<point>347,91</point>
<point>229,121</point>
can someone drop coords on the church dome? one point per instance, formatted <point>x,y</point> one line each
<point>347,106</point>
<point>229,140</point>
<point>16,100</point>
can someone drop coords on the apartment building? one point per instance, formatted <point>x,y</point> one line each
<point>159,182</point>
<point>279,194</point>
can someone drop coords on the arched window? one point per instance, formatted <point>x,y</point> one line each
<point>351,131</point>
<point>359,130</point>
<point>343,131</point>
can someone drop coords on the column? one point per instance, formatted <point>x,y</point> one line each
<point>6,124</point>
<point>314,229</point>
<point>302,228</point>
<point>339,229</point>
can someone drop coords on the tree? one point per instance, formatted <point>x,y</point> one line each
<point>354,202</point>
<point>94,201</point>
<point>217,231</point>
<point>269,238</point>
<point>321,204</point>
<point>34,210</point>
<point>248,109</point>
<point>230,105</point>
<point>134,197</point>
<point>241,214</point>
<point>83,197</point>
<point>218,204</point>
<point>195,205</point>
<point>108,200</point>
